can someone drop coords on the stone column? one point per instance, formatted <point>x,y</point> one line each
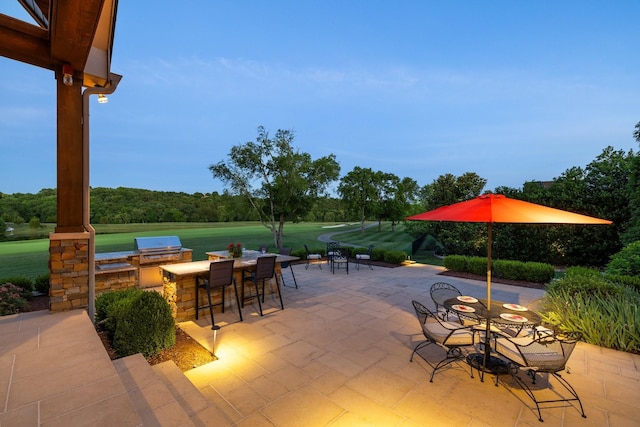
<point>69,271</point>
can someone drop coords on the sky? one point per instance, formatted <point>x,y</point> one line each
<point>513,91</point>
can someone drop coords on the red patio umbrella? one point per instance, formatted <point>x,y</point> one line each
<point>490,208</point>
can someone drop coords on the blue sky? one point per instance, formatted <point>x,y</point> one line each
<point>511,90</point>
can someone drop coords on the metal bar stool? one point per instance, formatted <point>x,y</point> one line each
<point>220,276</point>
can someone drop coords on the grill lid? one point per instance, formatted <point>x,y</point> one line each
<point>157,244</point>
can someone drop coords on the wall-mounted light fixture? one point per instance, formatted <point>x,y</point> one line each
<point>67,75</point>
<point>102,99</point>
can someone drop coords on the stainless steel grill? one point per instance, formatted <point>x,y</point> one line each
<point>155,250</point>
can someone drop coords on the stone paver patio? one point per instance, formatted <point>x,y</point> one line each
<point>338,355</point>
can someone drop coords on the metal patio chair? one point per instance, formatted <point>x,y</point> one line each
<point>450,336</point>
<point>364,257</point>
<point>287,265</point>
<point>544,354</point>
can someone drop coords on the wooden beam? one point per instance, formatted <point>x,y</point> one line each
<point>73,27</point>
<point>24,42</point>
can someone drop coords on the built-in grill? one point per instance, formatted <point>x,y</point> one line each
<point>139,267</point>
<point>158,250</point>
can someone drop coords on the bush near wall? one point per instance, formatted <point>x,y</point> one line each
<point>504,269</point>
<point>137,321</point>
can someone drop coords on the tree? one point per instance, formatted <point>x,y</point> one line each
<point>632,234</point>
<point>280,183</point>
<point>359,192</point>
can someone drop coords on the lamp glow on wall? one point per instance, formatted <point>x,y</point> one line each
<point>102,99</point>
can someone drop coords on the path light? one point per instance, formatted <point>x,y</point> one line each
<point>215,335</point>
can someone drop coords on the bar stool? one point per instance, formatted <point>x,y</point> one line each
<point>265,270</point>
<point>220,276</point>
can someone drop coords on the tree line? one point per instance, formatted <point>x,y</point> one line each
<point>270,181</point>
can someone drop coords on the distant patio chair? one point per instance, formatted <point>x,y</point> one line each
<point>312,257</point>
<point>364,257</point>
<point>285,265</point>
<point>340,257</point>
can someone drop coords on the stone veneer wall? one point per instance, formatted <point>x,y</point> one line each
<point>69,271</point>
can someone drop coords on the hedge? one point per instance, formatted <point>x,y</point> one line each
<point>512,270</point>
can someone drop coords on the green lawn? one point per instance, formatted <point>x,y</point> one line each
<point>30,257</point>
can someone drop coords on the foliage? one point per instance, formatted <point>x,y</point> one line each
<point>11,299</point>
<point>138,321</point>
<point>358,190</point>
<point>290,181</point>
<point>504,269</point>
<point>632,282</point>
<point>607,314</point>
<point>41,283</point>
<point>395,257</point>
<point>23,282</point>
<point>626,262</point>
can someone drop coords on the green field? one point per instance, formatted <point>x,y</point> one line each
<point>30,257</point>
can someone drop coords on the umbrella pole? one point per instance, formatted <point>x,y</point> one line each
<point>487,337</point>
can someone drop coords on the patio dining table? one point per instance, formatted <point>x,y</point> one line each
<point>501,315</point>
<point>179,280</point>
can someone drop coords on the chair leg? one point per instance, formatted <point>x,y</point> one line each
<point>197,298</point>
<point>211,305</point>
<point>255,282</point>
<point>279,294</point>
<point>294,277</point>
<point>235,288</point>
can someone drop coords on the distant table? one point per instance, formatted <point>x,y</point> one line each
<point>179,280</point>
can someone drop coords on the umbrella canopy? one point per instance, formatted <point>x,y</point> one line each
<point>491,208</point>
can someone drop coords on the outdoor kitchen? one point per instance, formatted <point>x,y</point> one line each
<point>140,266</point>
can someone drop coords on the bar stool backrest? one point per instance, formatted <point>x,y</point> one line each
<point>221,273</point>
<point>265,267</point>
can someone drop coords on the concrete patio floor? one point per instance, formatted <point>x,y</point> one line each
<point>338,355</point>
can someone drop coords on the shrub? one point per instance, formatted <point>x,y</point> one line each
<point>455,263</point>
<point>395,257</point>
<point>22,282</point>
<point>626,262</point>
<point>103,307</point>
<point>11,299</point>
<point>606,314</point>
<point>513,270</point>
<point>575,282</point>
<point>538,272</point>
<point>144,325</point>
<point>630,281</point>
<point>477,265</point>
<point>41,284</point>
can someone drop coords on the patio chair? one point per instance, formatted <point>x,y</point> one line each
<point>265,270</point>
<point>285,265</point>
<point>450,336</point>
<point>364,257</point>
<point>440,292</point>
<point>220,276</point>
<point>340,257</point>
<point>263,249</point>
<point>312,256</point>
<point>544,354</point>
<point>332,247</point>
